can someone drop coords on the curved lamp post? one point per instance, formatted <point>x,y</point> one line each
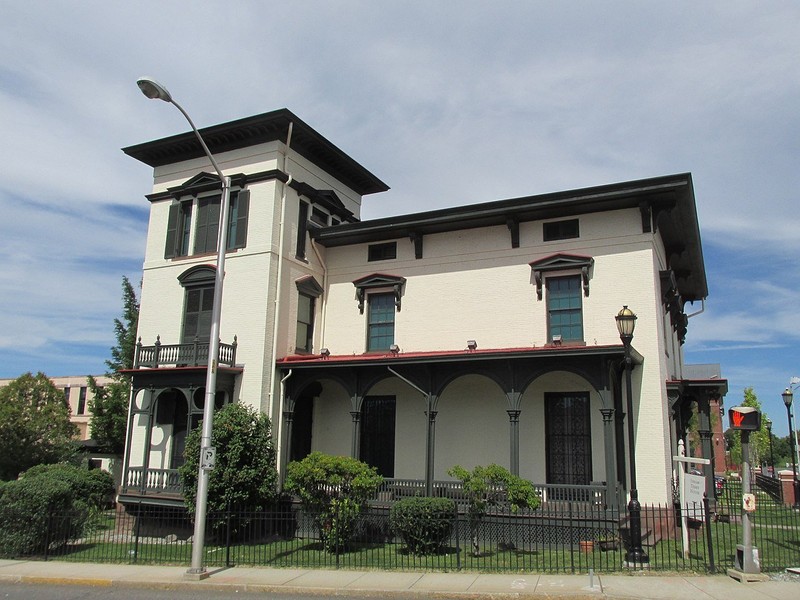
<point>154,90</point>
<point>788,396</point>
<point>626,323</point>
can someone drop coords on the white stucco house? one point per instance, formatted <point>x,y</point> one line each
<point>471,335</point>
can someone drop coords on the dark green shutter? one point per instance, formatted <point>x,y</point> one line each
<point>302,229</point>
<point>242,208</point>
<point>170,249</point>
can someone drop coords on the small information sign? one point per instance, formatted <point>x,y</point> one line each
<point>748,502</point>
<point>209,458</point>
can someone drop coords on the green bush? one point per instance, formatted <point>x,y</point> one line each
<point>94,487</point>
<point>48,505</point>
<point>489,486</point>
<point>27,509</point>
<point>334,489</point>
<point>245,476</point>
<point>424,524</point>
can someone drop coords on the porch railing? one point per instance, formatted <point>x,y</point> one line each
<point>152,481</point>
<point>167,482</point>
<point>191,355</point>
<point>555,495</point>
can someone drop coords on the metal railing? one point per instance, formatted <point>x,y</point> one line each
<point>192,355</point>
<point>771,485</point>
<point>571,537</point>
<point>554,495</point>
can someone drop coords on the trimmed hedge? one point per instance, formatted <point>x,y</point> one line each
<point>424,524</point>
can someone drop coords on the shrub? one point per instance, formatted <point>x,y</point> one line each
<point>94,487</point>
<point>29,508</point>
<point>50,504</point>
<point>334,489</point>
<point>424,524</point>
<point>489,486</point>
<point>245,476</point>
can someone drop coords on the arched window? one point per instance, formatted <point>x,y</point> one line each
<point>198,304</point>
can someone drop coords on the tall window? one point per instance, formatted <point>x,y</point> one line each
<point>179,229</point>
<point>197,313</point>
<point>206,225</point>
<point>377,433</point>
<point>380,325</point>
<point>305,323</point>
<point>207,230</point>
<point>568,438</point>
<point>82,401</point>
<point>564,313</point>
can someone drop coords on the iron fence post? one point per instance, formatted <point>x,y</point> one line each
<point>228,536</point>
<point>709,542</point>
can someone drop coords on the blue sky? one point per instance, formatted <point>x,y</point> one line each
<point>450,103</point>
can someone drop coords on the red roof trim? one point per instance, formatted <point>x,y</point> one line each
<point>435,354</point>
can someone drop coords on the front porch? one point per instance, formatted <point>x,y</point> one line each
<point>552,415</point>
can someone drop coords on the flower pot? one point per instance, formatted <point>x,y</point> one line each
<point>586,546</point>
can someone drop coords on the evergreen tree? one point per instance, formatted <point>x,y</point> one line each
<point>109,407</point>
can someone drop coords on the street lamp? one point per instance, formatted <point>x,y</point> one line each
<point>155,90</point>
<point>626,323</point>
<point>768,424</point>
<point>788,396</point>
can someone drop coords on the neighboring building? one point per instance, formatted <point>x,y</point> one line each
<point>477,334</point>
<point>710,436</point>
<point>78,396</point>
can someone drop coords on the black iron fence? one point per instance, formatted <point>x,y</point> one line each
<point>564,538</point>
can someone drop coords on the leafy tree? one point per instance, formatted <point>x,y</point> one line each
<point>759,440</point>
<point>334,489</point>
<point>245,475</point>
<point>488,486</point>
<point>109,405</point>
<point>34,425</point>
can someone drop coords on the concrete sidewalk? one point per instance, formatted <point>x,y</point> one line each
<point>403,584</point>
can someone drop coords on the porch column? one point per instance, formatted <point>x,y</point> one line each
<point>430,444</point>
<point>286,443</point>
<point>148,417</point>
<point>356,436</point>
<point>126,465</point>
<point>610,458</point>
<point>513,421</point>
<point>356,400</point>
<point>706,447</point>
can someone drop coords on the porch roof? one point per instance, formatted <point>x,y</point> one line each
<point>300,361</point>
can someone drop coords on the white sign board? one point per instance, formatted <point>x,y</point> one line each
<point>694,487</point>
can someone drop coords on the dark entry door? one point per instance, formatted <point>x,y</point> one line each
<point>377,433</point>
<point>569,442</point>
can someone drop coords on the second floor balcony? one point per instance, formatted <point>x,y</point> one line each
<point>193,354</point>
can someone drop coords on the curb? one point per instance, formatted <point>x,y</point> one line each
<point>289,590</point>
